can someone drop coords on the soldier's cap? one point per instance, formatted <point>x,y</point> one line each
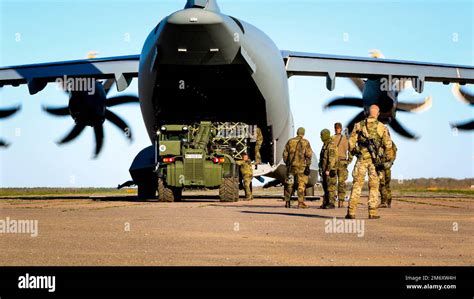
<point>338,125</point>
<point>325,135</point>
<point>300,131</point>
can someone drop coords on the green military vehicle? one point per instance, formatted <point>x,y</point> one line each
<point>198,156</point>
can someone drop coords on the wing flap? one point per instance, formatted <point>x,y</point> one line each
<point>121,68</point>
<point>332,66</point>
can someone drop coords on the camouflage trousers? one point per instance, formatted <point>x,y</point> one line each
<point>361,168</point>
<point>329,187</point>
<point>299,179</point>
<point>385,191</point>
<point>247,181</point>
<point>342,174</point>
<point>258,157</point>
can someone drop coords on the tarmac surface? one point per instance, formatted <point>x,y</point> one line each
<point>419,229</point>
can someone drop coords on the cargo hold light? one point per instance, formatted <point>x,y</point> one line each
<point>218,160</point>
<point>168,160</point>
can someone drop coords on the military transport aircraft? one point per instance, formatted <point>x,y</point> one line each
<point>221,59</point>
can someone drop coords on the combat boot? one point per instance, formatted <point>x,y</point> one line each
<point>330,206</point>
<point>288,204</point>
<point>349,216</point>
<point>383,205</point>
<point>374,217</point>
<point>302,205</point>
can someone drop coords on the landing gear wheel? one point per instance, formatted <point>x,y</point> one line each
<point>165,193</point>
<point>229,190</point>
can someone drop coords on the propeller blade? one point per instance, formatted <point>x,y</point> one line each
<point>121,124</point>
<point>415,107</point>
<point>345,101</point>
<point>356,119</point>
<point>3,143</point>
<point>466,126</point>
<point>99,139</point>
<point>62,111</point>
<point>463,95</point>
<point>76,130</point>
<point>397,127</point>
<point>108,84</point>
<point>7,112</point>
<point>359,83</point>
<point>114,101</point>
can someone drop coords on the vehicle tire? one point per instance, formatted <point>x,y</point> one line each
<point>229,190</point>
<point>146,191</point>
<point>165,194</point>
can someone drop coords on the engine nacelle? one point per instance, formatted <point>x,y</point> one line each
<point>88,107</point>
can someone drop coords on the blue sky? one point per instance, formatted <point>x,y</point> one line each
<point>42,31</point>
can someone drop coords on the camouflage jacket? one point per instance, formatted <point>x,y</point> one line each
<point>328,156</point>
<point>259,139</point>
<point>369,128</point>
<point>297,152</point>
<point>245,167</point>
<point>342,145</point>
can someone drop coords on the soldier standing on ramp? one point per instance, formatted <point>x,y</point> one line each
<point>366,139</point>
<point>297,157</point>
<point>258,145</point>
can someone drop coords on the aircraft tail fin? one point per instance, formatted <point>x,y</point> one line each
<point>204,4</point>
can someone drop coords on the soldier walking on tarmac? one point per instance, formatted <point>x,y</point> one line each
<point>366,140</point>
<point>297,156</point>
<point>386,176</point>
<point>327,169</point>
<point>344,158</point>
<point>247,174</point>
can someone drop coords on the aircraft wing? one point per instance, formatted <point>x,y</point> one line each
<point>332,66</point>
<point>36,76</point>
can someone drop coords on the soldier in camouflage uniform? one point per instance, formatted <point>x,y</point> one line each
<point>297,156</point>
<point>386,176</point>
<point>370,128</point>
<point>327,169</point>
<point>344,158</point>
<point>258,145</point>
<point>247,174</point>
